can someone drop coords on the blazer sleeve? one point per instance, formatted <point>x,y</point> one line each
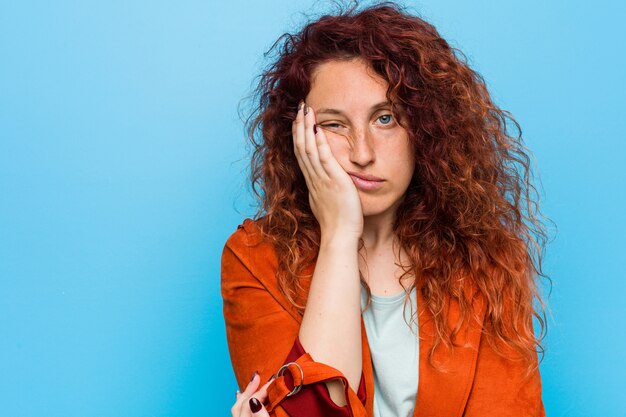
<point>502,386</point>
<point>262,333</point>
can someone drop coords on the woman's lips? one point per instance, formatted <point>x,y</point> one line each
<point>366,182</point>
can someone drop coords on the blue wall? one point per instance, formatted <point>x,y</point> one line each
<point>121,176</point>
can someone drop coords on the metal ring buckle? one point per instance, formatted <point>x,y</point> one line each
<point>281,371</point>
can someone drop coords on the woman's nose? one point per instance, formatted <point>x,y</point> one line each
<point>362,152</point>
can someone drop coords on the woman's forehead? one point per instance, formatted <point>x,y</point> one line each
<point>341,85</point>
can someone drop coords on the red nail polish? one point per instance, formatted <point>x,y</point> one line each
<point>253,375</point>
<point>255,405</point>
<point>306,109</point>
<point>315,129</point>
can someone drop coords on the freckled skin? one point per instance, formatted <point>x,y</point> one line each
<point>363,140</point>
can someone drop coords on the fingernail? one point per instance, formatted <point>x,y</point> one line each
<point>315,129</point>
<point>237,393</point>
<point>255,405</point>
<point>306,109</point>
<point>300,105</point>
<point>253,375</point>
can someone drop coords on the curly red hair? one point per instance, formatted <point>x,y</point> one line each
<point>471,210</point>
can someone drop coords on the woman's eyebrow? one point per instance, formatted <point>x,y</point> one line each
<point>375,107</point>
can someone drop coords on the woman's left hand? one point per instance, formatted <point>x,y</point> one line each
<point>250,402</point>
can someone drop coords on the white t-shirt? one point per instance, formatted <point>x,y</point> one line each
<point>395,353</point>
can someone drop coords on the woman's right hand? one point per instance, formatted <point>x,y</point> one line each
<point>333,196</point>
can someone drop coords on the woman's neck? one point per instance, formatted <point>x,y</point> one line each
<point>378,231</point>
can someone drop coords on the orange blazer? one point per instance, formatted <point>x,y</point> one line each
<point>261,326</point>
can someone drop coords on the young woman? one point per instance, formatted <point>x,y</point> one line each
<point>392,267</point>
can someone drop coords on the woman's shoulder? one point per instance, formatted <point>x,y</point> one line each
<point>250,246</point>
<point>248,234</point>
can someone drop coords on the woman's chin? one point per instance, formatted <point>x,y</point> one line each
<point>370,210</point>
<point>378,206</point>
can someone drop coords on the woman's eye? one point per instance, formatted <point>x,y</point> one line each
<point>332,125</point>
<point>385,119</point>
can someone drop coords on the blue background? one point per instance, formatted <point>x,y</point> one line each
<point>122,173</point>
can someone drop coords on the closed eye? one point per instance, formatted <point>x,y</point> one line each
<point>331,125</point>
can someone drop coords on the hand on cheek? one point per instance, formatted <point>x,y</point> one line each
<point>333,196</point>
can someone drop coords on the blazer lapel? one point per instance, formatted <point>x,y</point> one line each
<point>445,393</point>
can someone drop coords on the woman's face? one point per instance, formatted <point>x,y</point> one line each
<point>350,104</point>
